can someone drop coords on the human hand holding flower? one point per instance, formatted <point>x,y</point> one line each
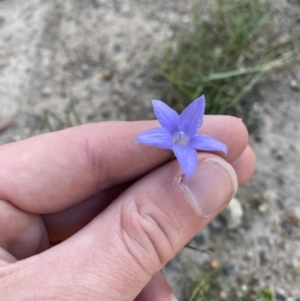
<point>121,210</point>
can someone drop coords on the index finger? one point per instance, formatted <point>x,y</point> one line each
<point>51,172</point>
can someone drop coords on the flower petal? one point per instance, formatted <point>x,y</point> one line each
<point>158,137</point>
<point>167,117</point>
<point>207,143</point>
<point>187,158</point>
<point>191,118</point>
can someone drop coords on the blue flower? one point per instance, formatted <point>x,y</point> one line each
<point>179,133</point>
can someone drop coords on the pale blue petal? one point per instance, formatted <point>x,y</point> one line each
<point>207,143</point>
<point>167,117</point>
<point>187,158</point>
<point>158,137</point>
<point>191,118</point>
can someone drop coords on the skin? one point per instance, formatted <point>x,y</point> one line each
<point>88,214</point>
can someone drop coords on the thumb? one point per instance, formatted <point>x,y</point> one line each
<point>116,255</point>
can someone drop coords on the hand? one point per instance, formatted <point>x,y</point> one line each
<point>120,210</point>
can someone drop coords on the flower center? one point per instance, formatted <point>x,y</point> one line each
<point>181,138</point>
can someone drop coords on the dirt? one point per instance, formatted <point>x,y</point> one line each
<point>100,54</point>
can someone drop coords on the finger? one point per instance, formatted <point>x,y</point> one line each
<point>115,256</point>
<point>74,164</point>
<point>244,165</point>
<point>6,257</point>
<point>157,289</point>
<point>21,234</point>
<point>63,224</point>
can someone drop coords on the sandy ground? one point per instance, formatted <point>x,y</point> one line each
<point>100,53</point>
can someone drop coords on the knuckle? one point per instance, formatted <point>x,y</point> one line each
<point>146,234</point>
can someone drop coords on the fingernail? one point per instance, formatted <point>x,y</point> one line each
<point>212,186</point>
<point>173,298</point>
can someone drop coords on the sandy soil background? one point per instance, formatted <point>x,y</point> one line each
<point>99,52</point>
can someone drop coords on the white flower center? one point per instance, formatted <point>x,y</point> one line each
<point>181,138</point>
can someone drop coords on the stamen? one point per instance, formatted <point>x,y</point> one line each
<point>181,138</point>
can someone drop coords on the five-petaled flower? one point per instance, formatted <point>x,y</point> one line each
<point>179,133</point>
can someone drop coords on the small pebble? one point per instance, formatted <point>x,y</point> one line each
<point>185,19</point>
<point>216,225</point>
<point>136,82</point>
<point>214,263</point>
<point>174,266</point>
<point>280,295</point>
<point>268,277</point>
<point>258,137</point>
<point>26,131</point>
<point>280,179</point>
<point>223,295</point>
<point>117,84</point>
<point>269,195</point>
<point>296,267</point>
<point>284,38</point>
<point>46,91</point>
<point>257,199</point>
<point>228,270</point>
<point>294,219</point>
<point>287,227</point>
<point>85,67</point>
<point>107,75</point>
<point>240,279</point>
<point>199,239</point>
<point>2,20</point>
<point>233,213</point>
<point>17,137</point>
<point>249,255</point>
<point>278,153</point>
<point>263,258</point>
<point>254,282</point>
<point>262,208</point>
<point>294,85</point>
